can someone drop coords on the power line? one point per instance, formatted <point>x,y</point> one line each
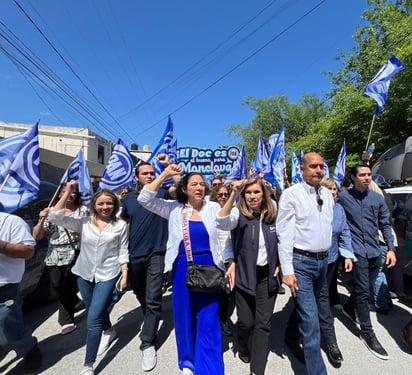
<point>277,36</point>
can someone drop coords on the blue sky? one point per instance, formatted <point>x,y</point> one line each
<point>128,64</point>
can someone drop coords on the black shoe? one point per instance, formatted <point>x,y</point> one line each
<point>374,345</point>
<point>296,349</point>
<point>32,361</point>
<point>281,290</point>
<point>244,357</point>
<point>350,313</point>
<point>334,355</point>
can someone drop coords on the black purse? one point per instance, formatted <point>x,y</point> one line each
<point>201,278</point>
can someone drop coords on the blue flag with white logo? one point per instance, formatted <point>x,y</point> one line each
<point>378,88</point>
<point>261,160</point>
<point>325,168</point>
<point>277,163</point>
<point>339,172</point>
<point>119,171</point>
<point>20,169</point>
<point>238,170</point>
<point>78,171</point>
<point>163,147</point>
<point>296,175</point>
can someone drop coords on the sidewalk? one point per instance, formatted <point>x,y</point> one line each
<point>65,354</point>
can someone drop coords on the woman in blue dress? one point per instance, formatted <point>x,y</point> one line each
<point>196,318</point>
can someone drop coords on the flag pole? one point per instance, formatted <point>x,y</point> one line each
<point>4,183</point>
<point>370,132</point>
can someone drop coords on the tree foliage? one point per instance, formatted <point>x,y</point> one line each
<point>321,127</point>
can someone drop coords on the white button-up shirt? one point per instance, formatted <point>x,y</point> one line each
<point>101,253</point>
<point>303,223</point>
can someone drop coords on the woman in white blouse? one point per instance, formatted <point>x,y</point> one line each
<point>103,255</point>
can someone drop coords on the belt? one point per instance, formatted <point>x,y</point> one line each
<point>318,256</point>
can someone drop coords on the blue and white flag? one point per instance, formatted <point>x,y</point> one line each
<point>270,143</point>
<point>301,155</point>
<point>78,171</point>
<point>339,172</point>
<point>173,152</point>
<point>378,88</point>
<point>277,163</point>
<point>119,171</point>
<point>163,147</point>
<point>296,174</point>
<point>325,168</point>
<point>20,174</point>
<point>238,171</point>
<point>261,160</point>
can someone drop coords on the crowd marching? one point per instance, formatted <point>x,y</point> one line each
<point>250,233</point>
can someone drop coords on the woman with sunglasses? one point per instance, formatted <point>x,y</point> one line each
<point>220,194</point>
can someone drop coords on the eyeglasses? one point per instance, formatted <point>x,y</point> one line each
<point>222,195</point>
<point>146,173</point>
<point>319,200</point>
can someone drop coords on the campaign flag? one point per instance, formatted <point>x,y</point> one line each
<point>238,171</point>
<point>339,173</point>
<point>163,147</point>
<point>173,152</point>
<point>301,155</point>
<point>270,144</point>
<point>119,171</point>
<point>78,171</point>
<point>261,160</point>
<point>277,164</point>
<point>296,175</point>
<point>20,174</point>
<point>325,168</point>
<point>378,88</point>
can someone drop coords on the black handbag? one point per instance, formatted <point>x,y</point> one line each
<point>201,278</point>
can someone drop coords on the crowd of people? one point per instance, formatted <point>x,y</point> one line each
<point>257,236</point>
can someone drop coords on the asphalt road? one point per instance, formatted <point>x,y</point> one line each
<point>65,354</point>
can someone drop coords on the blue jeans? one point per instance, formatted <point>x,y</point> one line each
<point>381,296</point>
<point>146,279</point>
<point>13,334</point>
<point>365,272</point>
<point>97,298</point>
<point>311,279</point>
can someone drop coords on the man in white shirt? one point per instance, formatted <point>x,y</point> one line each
<point>16,245</point>
<point>304,228</point>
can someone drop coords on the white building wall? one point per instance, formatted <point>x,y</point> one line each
<point>65,140</point>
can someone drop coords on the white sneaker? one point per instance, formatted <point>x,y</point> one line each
<point>87,371</point>
<point>187,371</point>
<point>106,340</point>
<point>149,358</point>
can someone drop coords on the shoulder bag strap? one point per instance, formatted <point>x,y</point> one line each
<point>186,236</point>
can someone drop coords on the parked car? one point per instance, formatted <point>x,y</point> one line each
<point>35,285</point>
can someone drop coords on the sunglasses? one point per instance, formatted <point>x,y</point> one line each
<point>217,184</point>
<point>319,200</point>
<point>146,173</point>
<point>222,195</point>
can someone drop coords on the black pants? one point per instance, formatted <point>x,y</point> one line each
<point>332,277</point>
<point>146,280</point>
<point>65,283</point>
<point>254,323</point>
